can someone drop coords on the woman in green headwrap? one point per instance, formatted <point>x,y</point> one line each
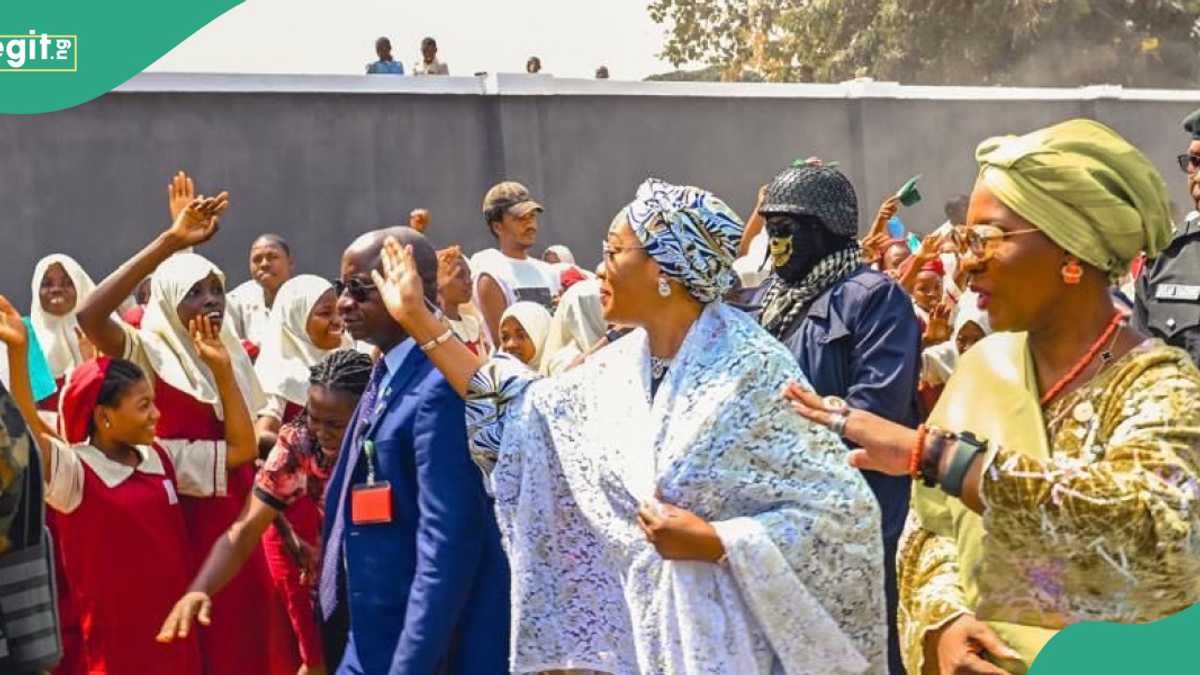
<point>1066,447</point>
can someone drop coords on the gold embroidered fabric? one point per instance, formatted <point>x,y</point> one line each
<point>930,594</point>
<point>1106,528</point>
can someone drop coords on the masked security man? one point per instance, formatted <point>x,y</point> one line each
<point>1168,292</point>
<point>851,328</point>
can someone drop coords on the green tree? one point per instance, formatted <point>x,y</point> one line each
<point>1012,42</point>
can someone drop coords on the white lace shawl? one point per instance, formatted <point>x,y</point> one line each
<point>802,591</point>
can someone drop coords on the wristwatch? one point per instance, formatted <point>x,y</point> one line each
<point>968,447</point>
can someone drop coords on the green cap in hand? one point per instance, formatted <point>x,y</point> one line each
<point>908,194</point>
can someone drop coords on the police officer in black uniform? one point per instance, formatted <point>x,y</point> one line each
<point>1168,292</point>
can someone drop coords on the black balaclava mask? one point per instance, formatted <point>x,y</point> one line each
<point>798,243</point>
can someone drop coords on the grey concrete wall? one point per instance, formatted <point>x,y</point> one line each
<point>319,163</point>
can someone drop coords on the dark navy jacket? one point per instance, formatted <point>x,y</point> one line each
<point>1168,292</point>
<point>428,592</point>
<point>860,340</point>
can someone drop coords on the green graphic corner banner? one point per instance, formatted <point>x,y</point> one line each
<point>1164,646</point>
<point>58,54</point>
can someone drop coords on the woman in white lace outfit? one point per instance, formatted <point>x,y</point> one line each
<point>661,509</point>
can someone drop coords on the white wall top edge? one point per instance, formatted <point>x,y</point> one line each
<point>514,84</point>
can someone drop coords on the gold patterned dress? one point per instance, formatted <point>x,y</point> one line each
<point>1098,519</point>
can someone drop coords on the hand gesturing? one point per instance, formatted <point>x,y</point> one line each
<point>199,220</point>
<point>207,339</point>
<point>12,329</point>
<point>180,192</point>
<point>938,330</point>
<point>400,283</point>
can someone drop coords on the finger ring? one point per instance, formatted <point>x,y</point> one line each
<point>838,424</point>
<point>835,404</point>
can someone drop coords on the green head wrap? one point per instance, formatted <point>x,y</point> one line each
<point>1085,187</point>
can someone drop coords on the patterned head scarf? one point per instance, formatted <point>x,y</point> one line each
<point>1085,187</point>
<point>690,233</point>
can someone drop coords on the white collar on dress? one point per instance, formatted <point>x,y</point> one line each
<point>114,473</point>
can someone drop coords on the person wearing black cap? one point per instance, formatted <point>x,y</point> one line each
<point>1167,303</point>
<point>851,328</point>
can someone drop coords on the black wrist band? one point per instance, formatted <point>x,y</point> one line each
<point>965,451</point>
<point>931,458</point>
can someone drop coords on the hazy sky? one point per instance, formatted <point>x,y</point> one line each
<point>572,37</point>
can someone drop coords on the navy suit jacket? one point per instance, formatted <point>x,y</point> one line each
<point>427,592</point>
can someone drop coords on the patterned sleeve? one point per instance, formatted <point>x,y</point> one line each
<point>1137,499</point>
<point>15,444</point>
<point>495,386</point>
<point>930,594</point>
<point>283,478</point>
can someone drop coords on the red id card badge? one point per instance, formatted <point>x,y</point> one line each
<point>371,503</point>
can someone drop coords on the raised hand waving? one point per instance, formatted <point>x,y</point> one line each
<point>199,220</point>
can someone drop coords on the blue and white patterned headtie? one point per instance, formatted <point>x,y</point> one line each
<point>690,233</point>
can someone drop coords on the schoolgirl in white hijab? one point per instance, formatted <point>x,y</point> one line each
<point>302,329</point>
<point>52,311</point>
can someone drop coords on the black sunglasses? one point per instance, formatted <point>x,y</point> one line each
<point>359,290</point>
<point>1188,162</point>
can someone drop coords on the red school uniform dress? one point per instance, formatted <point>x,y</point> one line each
<point>127,524</point>
<point>292,480</point>
<point>248,622</point>
<point>244,624</point>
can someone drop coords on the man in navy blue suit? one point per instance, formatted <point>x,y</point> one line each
<point>411,544</point>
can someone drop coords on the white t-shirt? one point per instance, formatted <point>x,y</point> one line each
<point>247,311</point>
<point>530,279</point>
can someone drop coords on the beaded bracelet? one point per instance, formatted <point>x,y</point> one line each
<point>914,456</point>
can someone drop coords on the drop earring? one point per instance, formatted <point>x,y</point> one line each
<point>664,289</point>
<point>1072,272</point>
<point>107,424</point>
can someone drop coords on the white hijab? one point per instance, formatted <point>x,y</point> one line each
<point>939,361</point>
<point>536,321</point>
<point>287,351</point>
<point>577,325</point>
<point>168,345</point>
<point>56,334</point>
<point>564,254</point>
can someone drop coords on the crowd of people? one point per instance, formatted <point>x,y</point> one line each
<point>428,64</point>
<point>762,446</point>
